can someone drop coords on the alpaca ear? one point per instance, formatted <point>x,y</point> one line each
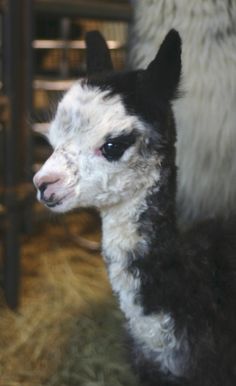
<point>165,70</point>
<point>98,54</point>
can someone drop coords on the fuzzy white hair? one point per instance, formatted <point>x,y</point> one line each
<point>205,114</point>
<point>114,148</point>
<point>83,120</point>
<point>83,177</point>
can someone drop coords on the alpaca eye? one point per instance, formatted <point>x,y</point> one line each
<point>114,148</point>
<point>112,151</point>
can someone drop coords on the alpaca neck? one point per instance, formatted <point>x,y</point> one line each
<point>122,244</point>
<point>140,225</point>
<point>130,233</point>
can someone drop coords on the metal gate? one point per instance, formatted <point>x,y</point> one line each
<point>17,152</point>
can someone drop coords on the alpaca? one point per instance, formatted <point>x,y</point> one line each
<point>114,137</point>
<point>206,114</point>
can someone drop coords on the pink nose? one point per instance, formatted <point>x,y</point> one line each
<point>47,187</point>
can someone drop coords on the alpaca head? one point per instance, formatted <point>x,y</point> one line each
<point>111,131</point>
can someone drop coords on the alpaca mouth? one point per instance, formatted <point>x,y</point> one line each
<point>56,202</point>
<point>53,204</point>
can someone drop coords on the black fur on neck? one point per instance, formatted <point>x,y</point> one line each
<point>168,281</point>
<point>189,276</point>
<point>157,224</point>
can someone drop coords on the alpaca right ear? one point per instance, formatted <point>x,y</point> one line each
<point>98,54</point>
<point>163,73</point>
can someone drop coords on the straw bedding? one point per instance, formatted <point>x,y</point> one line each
<point>68,329</point>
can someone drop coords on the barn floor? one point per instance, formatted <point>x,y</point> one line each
<point>68,329</point>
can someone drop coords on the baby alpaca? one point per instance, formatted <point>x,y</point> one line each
<point>114,148</point>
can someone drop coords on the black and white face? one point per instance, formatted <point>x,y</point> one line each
<point>97,158</point>
<point>106,131</point>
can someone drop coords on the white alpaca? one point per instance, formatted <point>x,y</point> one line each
<point>114,148</point>
<point>206,113</point>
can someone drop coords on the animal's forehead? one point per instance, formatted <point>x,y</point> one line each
<point>90,112</point>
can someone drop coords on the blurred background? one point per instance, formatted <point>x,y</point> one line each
<point>59,324</point>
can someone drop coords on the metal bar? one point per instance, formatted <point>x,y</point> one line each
<point>89,9</point>
<point>17,17</point>
<point>26,87</point>
<point>11,256</point>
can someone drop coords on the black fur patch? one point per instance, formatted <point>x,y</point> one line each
<point>191,276</point>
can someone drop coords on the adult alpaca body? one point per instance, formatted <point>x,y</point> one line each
<point>114,148</point>
<point>206,114</point>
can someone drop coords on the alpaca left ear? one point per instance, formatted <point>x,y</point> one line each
<point>163,73</point>
<point>98,54</point>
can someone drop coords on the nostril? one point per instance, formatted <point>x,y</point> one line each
<point>46,193</point>
<point>42,189</point>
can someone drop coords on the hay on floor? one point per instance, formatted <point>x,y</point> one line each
<point>68,329</point>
